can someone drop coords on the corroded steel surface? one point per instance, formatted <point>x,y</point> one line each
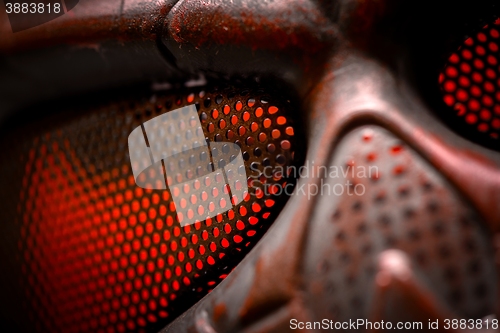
<point>424,241</point>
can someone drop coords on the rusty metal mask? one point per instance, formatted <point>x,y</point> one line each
<point>368,131</point>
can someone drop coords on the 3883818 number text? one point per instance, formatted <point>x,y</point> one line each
<point>478,324</point>
<point>32,8</point>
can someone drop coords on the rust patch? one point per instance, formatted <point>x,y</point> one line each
<point>220,312</point>
<point>276,26</point>
<point>91,23</point>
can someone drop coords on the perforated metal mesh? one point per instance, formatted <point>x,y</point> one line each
<point>95,252</point>
<point>404,204</point>
<point>470,81</point>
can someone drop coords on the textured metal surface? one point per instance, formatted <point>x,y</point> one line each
<point>98,253</point>
<point>406,205</point>
<point>409,248</point>
<point>350,63</point>
<point>91,22</point>
<point>359,85</point>
<point>114,40</point>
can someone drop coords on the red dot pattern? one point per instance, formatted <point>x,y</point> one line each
<point>470,81</point>
<point>100,254</point>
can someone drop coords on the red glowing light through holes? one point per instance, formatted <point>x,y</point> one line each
<point>470,81</point>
